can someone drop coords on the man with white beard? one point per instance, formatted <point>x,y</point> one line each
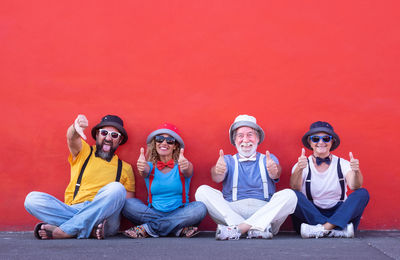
<point>248,203</point>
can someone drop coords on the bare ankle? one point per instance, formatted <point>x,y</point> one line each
<point>243,227</point>
<point>58,233</point>
<point>328,226</point>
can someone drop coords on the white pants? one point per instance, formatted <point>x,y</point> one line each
<point>258,214</point>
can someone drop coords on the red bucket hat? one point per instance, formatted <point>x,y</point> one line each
<point>166,128</point>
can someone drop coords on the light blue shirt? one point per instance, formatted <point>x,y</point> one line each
<point>249,179</point>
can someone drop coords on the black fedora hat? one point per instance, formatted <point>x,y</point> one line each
<point>111,120</point>
<point>321,126</point>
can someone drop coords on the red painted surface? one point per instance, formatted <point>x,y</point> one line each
<point>198,64</point>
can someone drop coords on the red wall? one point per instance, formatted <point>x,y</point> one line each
<point>198,64</point>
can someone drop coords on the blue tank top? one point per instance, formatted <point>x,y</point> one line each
<point>166,189</point>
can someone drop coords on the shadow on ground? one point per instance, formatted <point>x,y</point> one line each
<point>286,245</point>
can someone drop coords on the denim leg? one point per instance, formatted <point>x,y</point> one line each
<point>306,212</point>
<point>139,213</point>
<point>159,223</point>
<point>107,203</point>
<point>112,225</point>
<point>48,208</point>
<point>351,209</point>
<point>190,215</point>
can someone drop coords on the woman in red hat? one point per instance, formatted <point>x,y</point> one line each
<point>167,174</point>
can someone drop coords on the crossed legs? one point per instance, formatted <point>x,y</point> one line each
<point>157,223</point>
<point>80,220</point>
<point>339,216</point>
<point>248,214</point>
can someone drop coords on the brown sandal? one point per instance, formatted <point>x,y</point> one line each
<point>189,232</point>
<point>136,232</point>
<point>101,230</point>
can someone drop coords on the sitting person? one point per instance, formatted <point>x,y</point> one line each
<point>167,175</point>
<point>99,184</point>
<point>248,203</point>
<point>320,182</point>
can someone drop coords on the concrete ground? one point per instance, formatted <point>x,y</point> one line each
<point>286,245</point>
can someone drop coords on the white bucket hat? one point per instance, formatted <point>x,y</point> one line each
<point>246,120</point>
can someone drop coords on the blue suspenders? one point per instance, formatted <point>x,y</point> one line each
<point>340,176</point>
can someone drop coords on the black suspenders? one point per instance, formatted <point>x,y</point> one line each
<point>78,182</point>
<point>119,170</point>
<point>340,176</point>
<point>341,179</point>
<point>308,183</point>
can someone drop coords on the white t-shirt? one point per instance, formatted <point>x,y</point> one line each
<point>325,186</point>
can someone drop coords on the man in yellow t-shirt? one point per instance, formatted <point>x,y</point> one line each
<point>96,193</point>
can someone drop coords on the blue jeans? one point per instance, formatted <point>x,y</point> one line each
<point>79,219</point>
<point>158,223</point>
<point>340,215</point>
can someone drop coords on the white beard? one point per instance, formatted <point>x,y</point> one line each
<point>247,153</point>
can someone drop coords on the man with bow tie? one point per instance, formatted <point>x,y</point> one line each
<point>248,204</point>
<point>320,182</point>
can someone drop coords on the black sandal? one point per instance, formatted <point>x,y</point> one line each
<point>38,227</point>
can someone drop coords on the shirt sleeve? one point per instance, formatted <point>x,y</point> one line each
<point>129,178</point>
<point>345,165</point>
<point>83,153</point>
<point>294,167</point>
<point>228,161</point>
<point>151,166</point>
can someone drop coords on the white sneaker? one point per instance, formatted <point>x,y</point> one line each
<point>227,233</point>
<point>253,233</point>
<point>308,231</point>
<point>348,232</point>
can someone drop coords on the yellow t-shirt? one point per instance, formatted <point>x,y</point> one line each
<point>97,174</point>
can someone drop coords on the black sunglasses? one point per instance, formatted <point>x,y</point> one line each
<point>316,138</point>
<point>160,139</point>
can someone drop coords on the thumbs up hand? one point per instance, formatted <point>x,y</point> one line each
<point>272,167</point>
<point>354,163</point>
<point>141,162</point>
<point>80,124</point>
<point>220,167</point>
<point>183,162</point>
<point>302,162</point>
